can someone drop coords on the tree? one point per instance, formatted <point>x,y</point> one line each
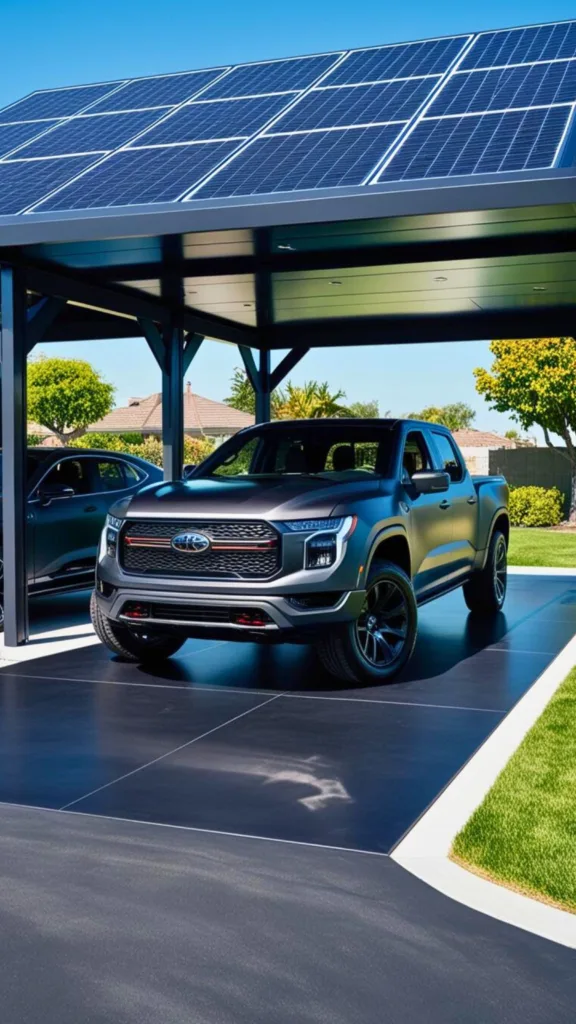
<point>67,395</point>
<point>150,448</point>
<point>365,410</point>
<point>535,381</point>
<point>456,416</point>
<point>310,402</point>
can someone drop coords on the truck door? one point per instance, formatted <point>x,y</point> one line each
<point>463,500</point>
<point>430,518</point>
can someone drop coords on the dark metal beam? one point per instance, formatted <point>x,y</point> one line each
<point>531,243</point>
<point>40,318</point>
<point>249,365</point>
<point>155,342</point>
<point>291,359</point>
<point>400,330</point>
<point>173,405</point>
<point>75,287</point>
<point>259,377</point>
<point>192,344</point>
<point>14,496</point>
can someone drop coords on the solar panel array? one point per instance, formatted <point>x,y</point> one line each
<point>463,105</point>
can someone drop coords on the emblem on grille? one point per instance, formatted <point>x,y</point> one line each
<point>191,543</point>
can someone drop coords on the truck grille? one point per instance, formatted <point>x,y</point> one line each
<point>238,550</point>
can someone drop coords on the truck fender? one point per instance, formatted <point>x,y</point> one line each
<point>388,533</point>
<point>502,511</point>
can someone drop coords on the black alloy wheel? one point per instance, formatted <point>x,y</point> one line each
<point>485,591</point>
<point>382,628</point>
<point>375,647</point>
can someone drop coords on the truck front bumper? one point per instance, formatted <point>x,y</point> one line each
<point>270,618</point>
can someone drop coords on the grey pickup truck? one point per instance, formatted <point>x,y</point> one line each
<point>330,532</point>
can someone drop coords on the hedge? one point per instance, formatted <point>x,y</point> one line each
<point>536,506</point>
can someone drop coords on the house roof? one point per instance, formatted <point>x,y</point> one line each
<point>481,439</point>
<point>201,415</point>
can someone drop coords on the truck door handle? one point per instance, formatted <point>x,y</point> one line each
<point>444,504</point>
<point>472,500</point>
<point>91,508</point>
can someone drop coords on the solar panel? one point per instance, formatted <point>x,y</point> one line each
<point>55,102</point>
<point>12,135</point>
<point>217,119</point>
<point>528,85</point>
<point>357,104</point>
<point>23,182</point>
<point>522,45</point>
<point>479,144</point>
<point>282,163</point>
<point>430,57</point>
<point>159,175</point>
<point>462,105</point>
<point>272,76</point>
<point>163,91</point>
<point>90,134</point>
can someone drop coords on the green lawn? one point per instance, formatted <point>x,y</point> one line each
<point>524,833</point>
<point>542,547</point>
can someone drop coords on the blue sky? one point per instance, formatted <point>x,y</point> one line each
<point>65,43</point>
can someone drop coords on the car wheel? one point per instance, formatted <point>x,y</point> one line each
<point>130,644</point>
<point>375,647</point>
<point>485,592</point>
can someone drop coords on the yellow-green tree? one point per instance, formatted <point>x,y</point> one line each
<point>310,402</point>
<point>67,395</point>
<point>535,381</point>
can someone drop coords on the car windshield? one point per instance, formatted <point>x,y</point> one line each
<point>332,451</point>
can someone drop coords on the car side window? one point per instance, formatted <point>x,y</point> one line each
<point>449,457</point>
<point>415,457</point>
<point>108,476</point>
<point>131,474</point>
<point>69,473</point>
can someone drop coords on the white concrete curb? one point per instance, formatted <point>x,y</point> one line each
<point>424,850</point>
<point>538,570</point>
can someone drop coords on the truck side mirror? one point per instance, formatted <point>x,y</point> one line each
<point>430,481</point>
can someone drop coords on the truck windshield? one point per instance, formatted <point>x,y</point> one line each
<point>332,451</point>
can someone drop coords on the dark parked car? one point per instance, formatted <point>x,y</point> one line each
<point>330,531</point>
<point>70,492</point>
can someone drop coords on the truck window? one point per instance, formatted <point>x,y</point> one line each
<point>415,457</point>
<point>449,457</point>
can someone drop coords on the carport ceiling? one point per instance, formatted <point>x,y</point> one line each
<point>402,193</point>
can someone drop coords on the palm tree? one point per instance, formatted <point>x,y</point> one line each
<point>312,401</point>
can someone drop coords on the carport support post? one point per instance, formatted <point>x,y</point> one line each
<point>173,404</point>
<point>14,497</point>
<point>263,411</point>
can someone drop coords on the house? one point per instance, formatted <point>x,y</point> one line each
<point>476,445</point>
<point>203,417</point>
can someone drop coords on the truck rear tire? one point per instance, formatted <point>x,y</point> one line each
<point>378,645</point>
<point>132,645</point>
<point>485,592</point>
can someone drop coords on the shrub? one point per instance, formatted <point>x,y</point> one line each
<point>536,506</point>
<point>195,448</point>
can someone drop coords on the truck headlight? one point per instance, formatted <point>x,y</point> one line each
<point>312,525</point>
<point>109,539</point>
<point>324,549</point>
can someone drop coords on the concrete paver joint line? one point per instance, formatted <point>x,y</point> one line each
<point>168,753</point>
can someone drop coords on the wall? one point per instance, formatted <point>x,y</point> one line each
<point>542,467</point>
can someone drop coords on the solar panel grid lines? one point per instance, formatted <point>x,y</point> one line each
<point>12,136</point>
<point>46,197</point>
<point>297,99</point>
<point>508,88</point>
<point>60,103</point>
<point>89,133</point>
<point>160,90</point>
<point>413,59</point>
<point>20,180</point>
<point>388,156</point>
<point>481,143</point>
<point>215,119</point>
<point>349,105</point>
<point>282,75</point>
<point>320,159</point>
<point>524,44</point>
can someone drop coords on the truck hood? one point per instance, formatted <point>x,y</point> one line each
<point>230,497</point>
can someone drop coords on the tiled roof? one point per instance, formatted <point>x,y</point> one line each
<point>481,439</point>
<point>201,415</point>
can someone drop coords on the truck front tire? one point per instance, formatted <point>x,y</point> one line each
<point>485,592</point>
<point>378,645</point>
<point>131,645</point>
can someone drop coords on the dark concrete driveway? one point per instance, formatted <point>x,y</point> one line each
<point>124,920</point>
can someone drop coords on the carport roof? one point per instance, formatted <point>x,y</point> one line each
<point>428,259</point>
